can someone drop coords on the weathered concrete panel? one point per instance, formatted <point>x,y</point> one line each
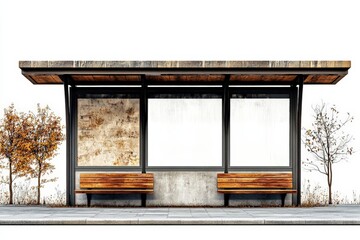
<point>185,189</point>
<point>258,200</point>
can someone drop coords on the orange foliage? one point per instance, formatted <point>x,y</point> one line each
<point>45,138</point>
<point>15,129</point>
<point>28,143</point>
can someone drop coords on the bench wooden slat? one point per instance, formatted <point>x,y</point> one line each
<point>117,175</point>
<point>256,185</point>
<point>117,180</point>
<point>255,175</point>
<point>245,180</point>
<point>256,191</point>
<point>116,185</point>
<point>115,191</point>
<point>255,180</point>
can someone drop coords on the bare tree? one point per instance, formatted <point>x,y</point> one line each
<point>14,132</point>
<point>327,142</point>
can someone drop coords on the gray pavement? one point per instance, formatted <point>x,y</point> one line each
<point>343,214</point>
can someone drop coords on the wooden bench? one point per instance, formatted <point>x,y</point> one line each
<point>116,183</point>
<point>256,183</point>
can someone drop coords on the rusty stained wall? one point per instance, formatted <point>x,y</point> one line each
<point>108,132</point>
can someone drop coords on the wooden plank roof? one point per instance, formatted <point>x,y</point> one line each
<point>184,72</point>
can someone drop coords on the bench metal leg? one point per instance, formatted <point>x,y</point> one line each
<point>283,199</point>
<point>226,200</point>
<point>143,200</point>
<point>88,196</point>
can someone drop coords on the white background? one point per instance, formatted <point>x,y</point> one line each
<point>183,30</point>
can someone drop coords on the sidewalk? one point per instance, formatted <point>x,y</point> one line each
<point>345,214</point>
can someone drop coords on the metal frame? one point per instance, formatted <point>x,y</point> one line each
<point>73,149</point>
<point>145,92</point>
<point>293,138</point>
<point>67,120</point>
<point>143,126</point>
<point>273,92</point>
<point>184,92</point>
<point>128,92</point>
<point>226,126</point>
<point>298,129</point>
<point>256,92</point>
<point>341,71</point>
<point>143,131</point>
<point>226,131</point>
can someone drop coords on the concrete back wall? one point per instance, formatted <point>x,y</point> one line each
<point>185,189</point>
<point>181,189</point>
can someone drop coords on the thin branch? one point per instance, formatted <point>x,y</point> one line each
<point>315,167</point>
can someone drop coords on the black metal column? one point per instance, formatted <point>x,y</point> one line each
<point>73,142</point>
<point>293,137</point>
<point>226,131</point>
<point>67,120</point>
<point>226,124</point>
<point>143,131</point>
<point>143,125</point>
<point>299,112</point>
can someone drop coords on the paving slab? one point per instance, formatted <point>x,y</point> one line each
<point>43,215</point>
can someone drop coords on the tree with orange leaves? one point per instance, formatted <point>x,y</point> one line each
<point>15,131</point>
<point>45,138</point>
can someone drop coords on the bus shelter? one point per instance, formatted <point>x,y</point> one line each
<point>185,122</point>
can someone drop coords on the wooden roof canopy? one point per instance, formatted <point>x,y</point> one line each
<point>184,72</point>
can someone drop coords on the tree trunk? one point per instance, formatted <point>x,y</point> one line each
<point>330,195</point>
<point>38,189</point>
<point>10,183</point>
<point>330,183</point>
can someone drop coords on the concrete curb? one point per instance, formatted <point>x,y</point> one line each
<point>28,215</point>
